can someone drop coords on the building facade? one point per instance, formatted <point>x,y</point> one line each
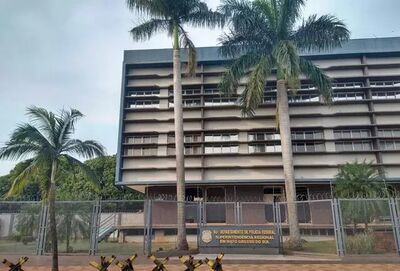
<point>229,157</point>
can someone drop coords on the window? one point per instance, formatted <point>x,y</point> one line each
<point>347,85</point>
<point>191,91</point>
<point>141,151</point>
<point>393,83</point>
<point>191,138</point>
<point>269,99</point>
<point>144,104</point>
<point>188,103</point>
<point>345,134</point>
<point>192,150</point>
<point>220,101</point>
<point>390,144</point>
<point>353,146</point>
<point>303,98</point>
<point>348,96</point>
<point>308,147</point>
<point>259,136</point>
<point>135,93</point>
<point>389,132</point>
<point>260,148</point>
<point>301,135</point>
<point>386,95</point>
<point>142,139</point>
<point>221,137</point>
<point>211,91</point>
<point>221,149</point>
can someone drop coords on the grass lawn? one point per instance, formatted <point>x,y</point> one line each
<point>12,247</point>
<point>323,247</point>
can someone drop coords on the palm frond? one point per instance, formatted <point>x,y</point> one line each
<point>269,11</point>
<point>321,33</point>
<point>318,77</point>
<point>288,14</point>
<point>44,119</point>
<point>286,55</point>
<point>147,29</point>
<point>202,16</point>
<point>253,95</point>
<point>148,7</point>
<point>66,125</point>
<point>85,169</point>
<point>87,149</point>
<point>187,43</point>
<point>29,169</point>
<point>230,80</point>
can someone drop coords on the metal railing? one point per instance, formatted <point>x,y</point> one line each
<point>327,225</point>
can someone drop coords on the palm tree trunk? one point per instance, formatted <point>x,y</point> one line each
<point>52,214</point>
<point>182,243</point>
<point>287,161</point>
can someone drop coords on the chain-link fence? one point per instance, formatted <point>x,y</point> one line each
<point>125,227</point>
<point>19,227</point>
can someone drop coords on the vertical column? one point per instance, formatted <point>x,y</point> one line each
<point>338,227</point>
<point>372,116</point>
<point>95,226</point>
<point>329,145</point>
<point>395,218</point>
<point>148,208</point>
<point>41,240</point>
<point>202,121</point>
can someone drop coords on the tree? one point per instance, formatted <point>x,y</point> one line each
<point>171,16</point>
<point>47,140</point>
<point>73,220</point>
<point>358,183</point>
<point>264,39</point>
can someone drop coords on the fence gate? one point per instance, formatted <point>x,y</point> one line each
<point>41,239</point>
<point>395,219</point>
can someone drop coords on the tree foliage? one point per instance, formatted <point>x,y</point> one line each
<point>74,184</point>
<point>264,37</point>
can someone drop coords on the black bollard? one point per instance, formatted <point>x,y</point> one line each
<point>160,264</point>
<point>217,264</point>
<point>127,265</point>
<point>17,266</point>
<point>104,263</point>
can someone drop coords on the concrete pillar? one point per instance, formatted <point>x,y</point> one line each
<point>329,145</point>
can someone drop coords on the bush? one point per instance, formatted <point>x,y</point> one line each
<point>360,243</point>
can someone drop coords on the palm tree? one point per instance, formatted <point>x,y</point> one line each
<point>171,16</point>
<point>355,181</point>
<point>73,220</point>
<point>263,39</point>
<point>47,141</point>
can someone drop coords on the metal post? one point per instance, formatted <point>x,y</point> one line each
<point>338,227</point>
<point>278,223</point>
<point>394,215</point>
<point>95,226</point>
<point>41,240</point>
<point>148,227</point>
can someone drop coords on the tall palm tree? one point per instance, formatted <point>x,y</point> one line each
<point>47,140</point>
<point>171,16</point>
<point>264,38</point>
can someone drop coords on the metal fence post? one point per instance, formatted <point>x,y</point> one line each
<point>394,215</point>
<point>148,227</point>
<point>278,224</point>
<point>94,229</point>
<point>41,239</point>
<point>338,227</point>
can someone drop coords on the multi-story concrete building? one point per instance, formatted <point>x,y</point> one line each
<point>232,158</point>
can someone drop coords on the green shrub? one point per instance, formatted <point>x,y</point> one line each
<point>360,243</point>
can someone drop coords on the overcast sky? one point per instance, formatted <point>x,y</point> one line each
<point>62,54</point>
